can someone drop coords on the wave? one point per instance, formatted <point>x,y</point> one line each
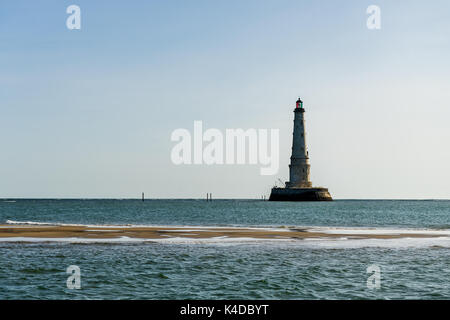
<point>28,222</point>
<point>58,224</point>
<point>186,227</point>
<point>311,243</point>
<point>379,231</point>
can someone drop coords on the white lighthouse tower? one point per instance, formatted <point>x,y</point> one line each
<point>299,167</point>
<point>299,186</point>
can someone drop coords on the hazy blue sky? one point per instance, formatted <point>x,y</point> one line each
<point>89,113</point>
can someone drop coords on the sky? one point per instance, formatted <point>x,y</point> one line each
<point>89,113</point>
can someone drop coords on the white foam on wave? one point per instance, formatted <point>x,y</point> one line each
<point>73,240</point>
<point>312,243</point>
<point>36,223</point>
<point>57,224</point>
<point>23,222</point>
<point>124,239</point>
<point>319,243</point>
<point>443,242</point>
<point>379,231</point>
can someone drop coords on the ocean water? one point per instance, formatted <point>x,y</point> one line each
<point>410,268</point>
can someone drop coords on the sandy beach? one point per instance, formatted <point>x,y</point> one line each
<point>165,232</point>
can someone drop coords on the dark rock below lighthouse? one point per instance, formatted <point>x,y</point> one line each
<point>300,194</point>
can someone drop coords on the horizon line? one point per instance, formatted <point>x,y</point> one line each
<point>256,199</point>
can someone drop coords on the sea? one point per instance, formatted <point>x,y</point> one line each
<point>343,268</point>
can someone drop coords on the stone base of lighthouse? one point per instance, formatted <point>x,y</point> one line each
<point>300,194</point>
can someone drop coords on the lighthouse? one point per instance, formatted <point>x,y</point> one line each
<point>299,186</point>
<point>299,167</point>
